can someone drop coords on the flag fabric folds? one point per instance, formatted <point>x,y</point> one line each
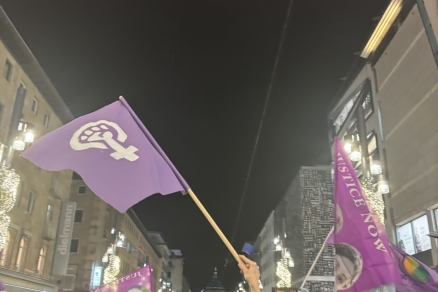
<point>114,154</point>
<point>363,258</point>
<point>416,276</point>
<point>140,280</point>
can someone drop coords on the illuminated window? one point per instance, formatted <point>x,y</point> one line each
<point>6,250</point>
<point>413,237</point>
<point>42,260</point>
<point>22,252</point>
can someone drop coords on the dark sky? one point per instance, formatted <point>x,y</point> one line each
<point>197,74</point>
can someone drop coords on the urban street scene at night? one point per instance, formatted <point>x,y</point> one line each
<point>219,146</point>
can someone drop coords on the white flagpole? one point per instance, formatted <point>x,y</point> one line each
<point>316,259</point>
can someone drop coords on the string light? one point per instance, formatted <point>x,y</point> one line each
<point>112,270</point>
<point>9,182</point>
<point>374,198</point>
<point>4,225</point>
<point>284,274</point>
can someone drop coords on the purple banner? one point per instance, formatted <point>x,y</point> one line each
<point>114,154</point>
<point>363,259</point>
<point>137,281</point>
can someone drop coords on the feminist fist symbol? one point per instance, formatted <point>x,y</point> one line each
<point>98,135</point>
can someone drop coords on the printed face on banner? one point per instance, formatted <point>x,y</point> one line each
<point>138,289</point>
<point>348,265</point>
<point>405,239</point>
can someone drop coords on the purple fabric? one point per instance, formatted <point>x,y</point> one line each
<point>331,238</point>
<point>2,286</point>
<point>363,259</point>
<point>416,275</point>
<point>113,152</point>
<point>138,281</point>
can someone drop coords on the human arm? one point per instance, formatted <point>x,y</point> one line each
<point>251,272</point>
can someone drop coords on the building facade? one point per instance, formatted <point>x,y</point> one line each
<point>99,232</point>
<point>295,231</point>
<point>29,106</point>
<point>176,270</point>
<point>397,88</point>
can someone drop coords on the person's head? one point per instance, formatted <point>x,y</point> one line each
<point>348,265</point>
<point>138,288</point>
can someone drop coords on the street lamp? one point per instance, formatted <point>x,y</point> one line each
<point>376,167</point>
<point>383,185</point>
<point>355,154</point>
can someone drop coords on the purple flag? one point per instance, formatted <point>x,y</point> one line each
<point>114,154</point>
<point>2,286</point>
<point>416,275</point>
<point>137,281</point>
<point>363,259</point>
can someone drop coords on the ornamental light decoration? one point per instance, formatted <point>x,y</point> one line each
<point>9,182</point>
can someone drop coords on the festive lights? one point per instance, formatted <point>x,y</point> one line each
<point>112,270</point>
<point>284,274</point>
<point>18,144</point>
<point>374,198</point>
<point>9,182</point>
<point>4,225</point>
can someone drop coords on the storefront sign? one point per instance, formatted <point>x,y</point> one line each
<point>63,241</point>
<point>413,238</point>
<point>97,276</point>
<point>405,240</point>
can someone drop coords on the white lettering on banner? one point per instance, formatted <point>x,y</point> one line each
<point>118,280</point>
<point>357,195</point>
<point>98,135</point>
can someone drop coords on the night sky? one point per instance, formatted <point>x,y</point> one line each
<point>197,74</point>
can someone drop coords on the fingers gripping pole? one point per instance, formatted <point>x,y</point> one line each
<point>214,225</point>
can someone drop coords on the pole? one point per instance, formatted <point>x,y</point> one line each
<point>362,131</point>
<point>214,225</point>
<point>316,259</point>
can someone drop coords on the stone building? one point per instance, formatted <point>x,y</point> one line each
<point>176,270</point>
<point>397,85</point>
<point>29,103</point>
<point>100,230</point>
<point>296,230</point>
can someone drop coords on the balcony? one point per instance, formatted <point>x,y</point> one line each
<point>57,188</point>
<point>49,232</point>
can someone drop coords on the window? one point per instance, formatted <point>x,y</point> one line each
<point>31,202</point>
<point>22,252</point>
<point>46,120</point>
<point>7,70</point>
<point>81,190</point>
<point>169,275</point>
<point>78,216</point>
<point>49,215</point>
<point>6,250</point>
<point>413,237</point>
<point>41,260</point>
<point>436,217</point>
<point>35,106</point>
<point>74,245</point>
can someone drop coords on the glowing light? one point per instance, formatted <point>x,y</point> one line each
<point>29,137</point>
<point>374,198</point>
<point>376,167</point>
<point>112,270</point>
<point>9,182</point>
<point>347,146</point>
<point>105,258</point>
<point>278,247</point>
<point>119,243</point>
<point>18,144</point>
<point>110,250</point>
<point>276,240</point>
<point>4,225</point>
<point>284,275</point>
<point>383,185</point>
